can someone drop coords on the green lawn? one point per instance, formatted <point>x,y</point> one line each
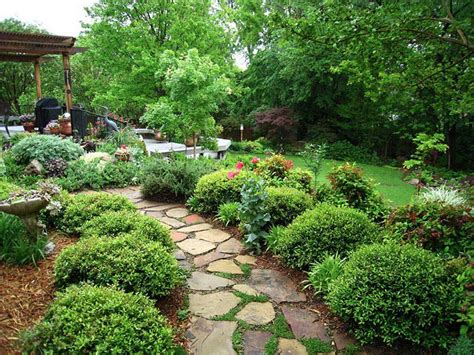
<point>389,179</point>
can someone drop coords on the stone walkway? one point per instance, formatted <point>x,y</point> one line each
<point>233,304</point>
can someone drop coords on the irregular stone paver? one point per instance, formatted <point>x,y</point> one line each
<point>290,347</point>
<point>304,323</point>
<point>154,214</point>
<point>195,246</point>
<point>226,266</point>
<point>172,222</point>
<point>193,219</point>
<point>179,255</point>
<point>255,341</point>
<point>276,285</point>
<point>213,235</point>
<point>246,259</point>
<point>177,212</point>
<point>162,207</point>
<point>147,204</point>
<point>199,281</point>
<point>195,228</point>
<point>342,340</point>
<point>178,236</point>
<point>232,246</point>
<point>257,313</point>
<point>205,259</point>
<point>184,264</point>
<point>212,304</point>
<point>246,289</point>
<point>211,337</point>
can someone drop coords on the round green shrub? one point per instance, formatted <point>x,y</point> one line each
<point>324,230</point>
<point>133,264</point>
<point>392,292</point>
<point>215,189</point>
<point>284,204</point>
<point>229,213</point>
<point>83,207</point>
<point>100,320</point>
<point>44,148</point>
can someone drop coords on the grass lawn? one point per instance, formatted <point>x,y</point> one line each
<point>389,179</point>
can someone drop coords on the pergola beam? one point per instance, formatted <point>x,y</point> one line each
<point>24,58</point>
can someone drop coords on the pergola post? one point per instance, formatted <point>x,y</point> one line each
<point>67,81</point>
<point>37,79</point>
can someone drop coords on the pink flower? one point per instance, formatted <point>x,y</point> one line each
<point>255,160</point>
<point>124,146</point>
<point>231,175</point>
<point>239,165</point>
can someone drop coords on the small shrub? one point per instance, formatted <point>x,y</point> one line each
<point>463,346</point>
<point>466,309</point>
<point>175,178</point>
<point>84,207</point>
<point>45,148</point>
<point>133,264</point>
<point>274,167</point>
<point>118,223</point>
<point>443,195</point>
<point>391,292</point>
<point>284,204</point>
<point>323,274</point>
<point>325,229</point>
<point>100,320</point>
<point>325,194</point>
<point>229,213</point>
<point>247,146</point>
<point>6,189</point>
<point>56,167</point>
<point>313,156</point>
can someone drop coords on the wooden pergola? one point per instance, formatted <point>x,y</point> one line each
<point>36,48</point>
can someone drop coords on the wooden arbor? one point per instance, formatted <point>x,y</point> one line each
<point>35,48</point>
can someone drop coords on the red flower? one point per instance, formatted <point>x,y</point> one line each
<point>255,160</point>
<point>239,165</point>
<point>231,175</point>
<point>124,146</point>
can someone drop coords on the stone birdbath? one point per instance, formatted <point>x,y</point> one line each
<point>28,211</point>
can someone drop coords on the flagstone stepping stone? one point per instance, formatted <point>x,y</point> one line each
<point>246,259</point>
<point>147,204</point>
<point>213,235</point>
<point>162,207</point>
<point>226,266</point>
<point>177,212</point>
<point>255,341</point>
<point>276,285</point>
<point>304,323</point>
<point>205,259</point>
<point>195,246</point>
<point>245,289</point>
<point>195,228</point>
<point>290,347</point>
<point>257,313</point>
<point>172,222</point>
<point>342,340</point>
<point>154,214</point>
<point>199,281</point>
<point>178,236</point>
<point>184,264</point>
<point>207,337</point>
<point>231,246</point>
<point>193,219</point>
<point>212,304</point>
<point>179,255</point>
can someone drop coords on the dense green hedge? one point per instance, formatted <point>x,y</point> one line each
<point>99,320</point>
<point>284,204</point>
<point>118,223</point>
<point>325,229</point>
<point>390,292</point>
<point>133,264</point>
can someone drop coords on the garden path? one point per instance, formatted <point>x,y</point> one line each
<point>233,302</point>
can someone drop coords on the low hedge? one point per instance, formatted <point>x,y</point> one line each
<point>324,230</point>
<point>100,320</point>
<point>133,264</point>
<point>284,204</point>
<point>118,223</point>
<point>390,292</point>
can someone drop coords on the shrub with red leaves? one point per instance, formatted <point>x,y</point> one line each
<point>277,124</point>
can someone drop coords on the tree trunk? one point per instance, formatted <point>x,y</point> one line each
<point>452,146</point>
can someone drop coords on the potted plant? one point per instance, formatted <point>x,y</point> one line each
<point>28,122</point>
<point>65,124</point>
<point>191,141</point>
<point>54,127</point>
<point>122,153</point>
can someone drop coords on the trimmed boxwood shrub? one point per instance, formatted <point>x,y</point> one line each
<point>83,207</point>
<point>324,230</point>
<point>100,320</point>
<point>133,264</point>
<point>394,292</point>
<point>284,204</point>
<point>115,224</point>
<point>215,189</point>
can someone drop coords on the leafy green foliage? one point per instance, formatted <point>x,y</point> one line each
<point>316,346</point>
<point>90,319</point>
<point>229,213</point>
<point>325,229</point>
<point>6,189</point>
<point>344,150</point>
<point>390,292</point>
<point>284,204</point>
<point>175,178</point>
<point>84,207</point>
<point>45,148</point>
<point>313,156</point>
<point>118,223</point>
<point>463,346</point>
<point>466,312</point>
<point>132,264</point>
<point>247,146</point>
<point>323,273</point>
<point>253,213</point>
<point>427,148</point>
